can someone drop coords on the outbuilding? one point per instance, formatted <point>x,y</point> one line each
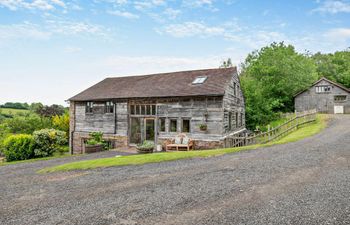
<point>324,95</point>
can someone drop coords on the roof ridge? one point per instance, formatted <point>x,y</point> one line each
<point>180,71</point>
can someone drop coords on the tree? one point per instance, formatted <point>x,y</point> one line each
<point>270,77</point>
<point>226,63</point>
<point>50,111</point>
<point>335,66</point>
<point>35,106</point>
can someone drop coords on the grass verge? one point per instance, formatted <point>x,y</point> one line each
<point>305,131</point>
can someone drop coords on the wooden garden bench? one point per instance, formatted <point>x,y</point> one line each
<point>181,141</point>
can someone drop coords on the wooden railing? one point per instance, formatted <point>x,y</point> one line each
<point>238,140</point>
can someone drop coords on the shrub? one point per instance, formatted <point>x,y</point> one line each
<point>47,141</point>
<point>92,142</point>
<point>18,147</point>
<point>61,122</point>
<point>146,147</point>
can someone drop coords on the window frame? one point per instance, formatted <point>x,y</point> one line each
<point>161,123</point>
<point>89,107</point>
<point>109,107</point>
<point>340,100</point>
<point>199,80</point>
<point>170,120</point>
<point>189,125</point>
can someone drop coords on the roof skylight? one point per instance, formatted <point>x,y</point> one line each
<point>199,80</point>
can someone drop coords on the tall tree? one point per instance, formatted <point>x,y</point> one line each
<point>226,63</point>
<point>335,66</point>
<point>270,77</point>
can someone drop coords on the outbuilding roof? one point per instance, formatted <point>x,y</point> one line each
<point>175,84</point>
<point>325,79</point>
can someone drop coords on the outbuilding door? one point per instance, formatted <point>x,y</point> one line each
<point>338,109</point>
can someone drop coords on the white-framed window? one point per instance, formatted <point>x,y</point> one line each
<point>109,107</point>
<point>323,89</point>
<point>89,107</point>
<point>340,98</point>
<point>199,80</point>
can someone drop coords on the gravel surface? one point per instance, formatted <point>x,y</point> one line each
<point>306,182</point>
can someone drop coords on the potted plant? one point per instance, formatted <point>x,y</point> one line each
<point>95,143</point>
<point>203,127</point>
<point>145,147</point>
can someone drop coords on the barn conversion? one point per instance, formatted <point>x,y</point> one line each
<point>324,95</point>
<point>204,104</point>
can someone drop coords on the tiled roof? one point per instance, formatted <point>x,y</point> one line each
<point>176,84</point>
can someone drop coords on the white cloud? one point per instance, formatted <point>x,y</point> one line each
<point>25,30</point>
<point>339,34</point>
<point>172,13</point>
<point>31,31</point>
<point>35,4</point>
<point>71,49</point>
<point>124,14</point>
<point>144,5</point>
<point>197,3</point>
<point>333,7</point>
<point>189,29</point>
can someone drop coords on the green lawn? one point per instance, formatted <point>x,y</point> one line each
<point>306,131</point>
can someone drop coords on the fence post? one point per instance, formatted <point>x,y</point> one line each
<point>268,132</point>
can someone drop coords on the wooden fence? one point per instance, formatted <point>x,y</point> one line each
<point>297,120</point>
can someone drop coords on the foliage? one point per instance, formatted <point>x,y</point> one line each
<point>270,77</point>
<point>35,106</point>
<point>335,66</point>
<point>27,124</point>
<point>93,142</point>
<point>18,147</point>
<point>226,63</point>
<point>308,130</point>
<point>146,145</point>
<point>97,136</point>
<point>15,105</point>
<point>50,111</point>
<point>61,122</point>
<point>203,126</point>
<point>47,141</point>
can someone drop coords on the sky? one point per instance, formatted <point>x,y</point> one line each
<point>51,50</point>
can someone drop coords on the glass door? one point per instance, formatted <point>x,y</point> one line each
<point>135,134</point>
<point>149,129</point>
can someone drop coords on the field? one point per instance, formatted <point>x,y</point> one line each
<point>8,111</point>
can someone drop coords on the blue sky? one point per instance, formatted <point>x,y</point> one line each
<point>52,49</point>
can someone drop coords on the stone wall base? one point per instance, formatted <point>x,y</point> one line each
<point>80,137</point>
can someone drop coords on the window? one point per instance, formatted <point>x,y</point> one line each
<point>109,107</point>
<point>236,119</point>
<point>199,80</point>
<point>186,126</point>
<point>229,121</point>
<point>89,107</point>
<point>173,125</point>
<point>241,121</point>
<point>234,88</point>
<point>340,98</point>
<point>143,109</point>
<point>323,89</point>
<point>162,124</point>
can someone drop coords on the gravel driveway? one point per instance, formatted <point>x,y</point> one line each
<point>306,182</point>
